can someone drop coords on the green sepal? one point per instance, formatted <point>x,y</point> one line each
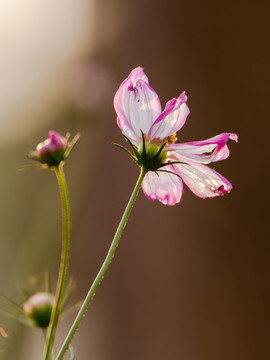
<point>71,310</point>
<point>136,152</point>
<point>71,144</point>
<point>159,151</point>
<point>15,312</point>
<point>143,139</point>
<point>24,291</point>
<point>169,172</point>
<point>171,163</point>
<point>31,166</point>
<point>47,282</point>
<point>21,318</point>
<point>126,150</point>
<point>69,289</point>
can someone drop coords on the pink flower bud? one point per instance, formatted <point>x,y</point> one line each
<point>52,150</point>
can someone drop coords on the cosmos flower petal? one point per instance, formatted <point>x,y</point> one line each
<point>137,74</point>
<point>126,129</point>
<point>205,151</point>
<point>171,119</point>
<point>203,181</point>
<point>137,105</point>
<point>163,186</point>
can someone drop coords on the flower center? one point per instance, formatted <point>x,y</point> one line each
<point>171,139</point>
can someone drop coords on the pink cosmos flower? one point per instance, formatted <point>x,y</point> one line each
<point>152,134</point>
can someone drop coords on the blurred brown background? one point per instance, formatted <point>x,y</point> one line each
<point>188,282</point>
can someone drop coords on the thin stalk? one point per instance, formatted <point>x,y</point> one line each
<point>64,260</point>
<point>52,352</point>
<point>103,269</point>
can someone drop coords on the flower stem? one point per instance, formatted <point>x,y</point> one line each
<point>51,357</point>
<point>89,297</point>
<point>64,260</point>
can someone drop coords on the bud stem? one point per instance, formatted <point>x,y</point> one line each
<point>103,269</point>
<point>64,260</point>
<point>51,357</point>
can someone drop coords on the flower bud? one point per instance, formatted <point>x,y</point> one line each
<point>52,150</point>
<point>39,308</point>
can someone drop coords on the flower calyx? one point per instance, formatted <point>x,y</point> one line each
<point>149,155</point>
<point>54,149</point>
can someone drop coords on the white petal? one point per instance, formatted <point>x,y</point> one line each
<point>204,151</point>
<point>127,130</point>
<point>203,181</point>
<point>163,186</point>
<point>171,119</point>
<point>137,105</point>
<point>142,107</point>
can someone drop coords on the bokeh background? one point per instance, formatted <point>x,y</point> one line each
<point>190,281</point>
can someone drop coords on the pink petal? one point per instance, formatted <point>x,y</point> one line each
<point>162,186</point>
<point>205,151</point>
<point>137,74</point>
<point>203,181</point>
<point>171,119</point>
<point>55,143</point>
<point>137,105</point>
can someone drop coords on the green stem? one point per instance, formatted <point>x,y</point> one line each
<point>64,260</point>
<point>52,352</point>
<point>103,269</point>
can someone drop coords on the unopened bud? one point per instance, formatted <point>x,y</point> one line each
<point>51,151</point>
<point>39,308</point>
<point>54,149</point>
